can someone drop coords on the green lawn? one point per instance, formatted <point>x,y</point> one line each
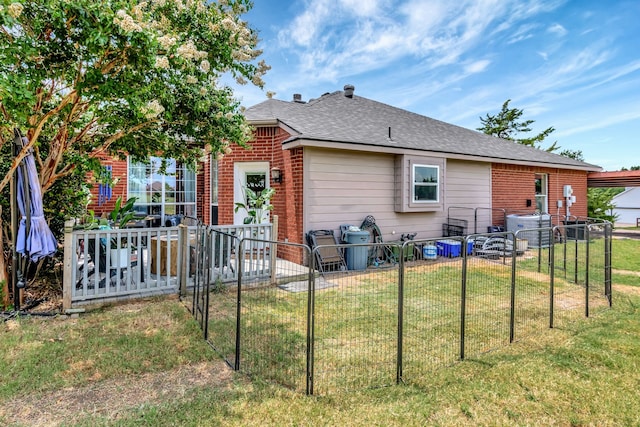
<point>138,357</point>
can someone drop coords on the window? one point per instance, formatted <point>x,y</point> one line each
<point>419,183</point>
<point>541,193</point>
<point>425,183</point>
<point>163,194</point>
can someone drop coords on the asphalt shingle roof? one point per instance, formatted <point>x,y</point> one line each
<point>357,120</point>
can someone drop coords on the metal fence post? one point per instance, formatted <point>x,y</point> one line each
<point>512,310</point>
<point>552,269</point>
<point>208,245</point>
<point>240,264</point>
<point>399,359</point>
<point>273,250</point>
<point>586,274</point>
<point>183,232</point>
<point>607,262</point>
<point>575,258</point>
<point>463,302</point>
<point>310,321</point>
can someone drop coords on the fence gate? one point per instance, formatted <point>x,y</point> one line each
<point>215,293</point>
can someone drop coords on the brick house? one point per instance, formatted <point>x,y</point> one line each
<point>342,157</point>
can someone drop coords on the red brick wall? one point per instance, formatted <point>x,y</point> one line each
<point>287,201</point>
<point>512,185</point>
<point>119,172</point>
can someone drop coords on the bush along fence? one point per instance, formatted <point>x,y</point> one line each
<point>104,265</point>
<point>391,313</point>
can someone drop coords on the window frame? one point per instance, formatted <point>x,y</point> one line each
<point>183,177</point>
<point>542,197</point>
<point>405,165</point>
<point>415,184</point>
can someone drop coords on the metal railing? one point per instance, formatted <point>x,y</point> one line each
<point>429,304</point>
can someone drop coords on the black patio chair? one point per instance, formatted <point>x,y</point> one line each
<point>330,258</point>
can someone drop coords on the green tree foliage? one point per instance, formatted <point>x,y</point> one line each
<point>632,168</point>
<point>86,79</point>
<point>83,79</point>
<point>507,125</point>
<point>600,204</point>
<point>573,154</point>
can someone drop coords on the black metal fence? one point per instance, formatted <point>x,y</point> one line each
<point>392,319</point>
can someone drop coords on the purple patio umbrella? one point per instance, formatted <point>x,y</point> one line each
<point>35,240</point>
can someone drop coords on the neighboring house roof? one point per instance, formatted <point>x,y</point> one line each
<point>358,121</point>
<point>614,179</point>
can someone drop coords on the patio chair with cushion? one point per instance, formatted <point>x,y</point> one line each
<point>329,256</point>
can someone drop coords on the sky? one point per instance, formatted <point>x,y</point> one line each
<point>570,64</point>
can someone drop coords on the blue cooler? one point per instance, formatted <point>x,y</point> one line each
<point>430,252</point>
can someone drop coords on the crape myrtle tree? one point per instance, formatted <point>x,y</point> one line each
<point>83,79</point>
<point>506,124</point>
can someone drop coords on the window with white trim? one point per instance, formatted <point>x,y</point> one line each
<point>419,183</point>
<point>162,194</point>
<point>541,193</point>
<point>426,183</point>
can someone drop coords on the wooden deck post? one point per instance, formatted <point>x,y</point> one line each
<point>69,252</point>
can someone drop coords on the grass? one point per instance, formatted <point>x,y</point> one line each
<point>584,372</point>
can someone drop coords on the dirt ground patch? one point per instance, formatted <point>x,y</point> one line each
<point>627,289</point>
<point>110,398</point>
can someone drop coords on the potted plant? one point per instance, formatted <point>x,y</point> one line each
<point>119,217</point>
<point>256,205</point>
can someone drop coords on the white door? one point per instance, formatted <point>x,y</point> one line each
<point>253,175</point>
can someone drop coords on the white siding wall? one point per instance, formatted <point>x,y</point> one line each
<point>343,187</point>
<point>627,206</point>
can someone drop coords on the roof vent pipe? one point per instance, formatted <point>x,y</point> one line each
<point>348,91</point>
<point>297,97</point>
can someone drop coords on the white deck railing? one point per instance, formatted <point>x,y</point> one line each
<point>114,264</point>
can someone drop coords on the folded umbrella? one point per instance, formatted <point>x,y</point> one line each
<point>35,240</point>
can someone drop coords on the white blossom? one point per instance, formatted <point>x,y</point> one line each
<point>162,62</point>
<point>228,24</point>
<point>205,66</point>
<point>126,22</point>
<point>167,41</point>
<point>15,10</point>
<point>153,109</point>
<point>192,79</point>
<point>189,51</point>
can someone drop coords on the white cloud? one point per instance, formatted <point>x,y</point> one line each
<point>361,8</point>
<point>558,30</point>
<point>305,27</point>
<point>347,37</point>
<point>595,123</point>
<point>523,32</point>
<point>477,66</point>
